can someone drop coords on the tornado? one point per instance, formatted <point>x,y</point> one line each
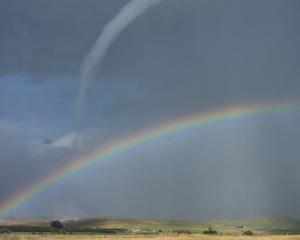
<point>129,13</point>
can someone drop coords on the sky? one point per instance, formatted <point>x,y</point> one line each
<point>178,58</point>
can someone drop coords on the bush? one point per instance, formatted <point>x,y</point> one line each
<point>248,233</point>
<point>181,231</point>
<point>210,231</point>
<point>5,230</point>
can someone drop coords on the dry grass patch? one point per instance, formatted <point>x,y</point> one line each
<point>121,237</point>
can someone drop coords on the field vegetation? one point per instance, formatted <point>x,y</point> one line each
<point>138,237</point>
<point>123,228</point>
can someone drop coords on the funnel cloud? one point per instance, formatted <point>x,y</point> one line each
<point>127,15</point>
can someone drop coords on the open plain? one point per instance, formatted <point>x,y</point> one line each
<point>140,237</point>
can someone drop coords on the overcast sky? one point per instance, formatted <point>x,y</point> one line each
<point>180,57</point>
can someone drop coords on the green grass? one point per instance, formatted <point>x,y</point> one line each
<point>153,225</point>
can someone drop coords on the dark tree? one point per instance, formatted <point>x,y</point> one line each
<point>57,224</point>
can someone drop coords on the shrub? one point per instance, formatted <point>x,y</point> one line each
<point>181,231</point>
<point>5,230</point>
<point>248,233</point>
<point>210,231</point>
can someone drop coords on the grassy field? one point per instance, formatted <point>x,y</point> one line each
<point>160,237</point>
<point>124,228</point>
<point>259,225</point>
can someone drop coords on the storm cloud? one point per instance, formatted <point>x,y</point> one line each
<point>181,57</point>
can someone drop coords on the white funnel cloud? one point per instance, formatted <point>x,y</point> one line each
<point>127,14</point>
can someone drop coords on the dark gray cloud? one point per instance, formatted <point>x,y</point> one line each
<point>178,58</point>
<point>47,38</point>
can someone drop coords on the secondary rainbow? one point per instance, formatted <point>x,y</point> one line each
<point>110,149</point>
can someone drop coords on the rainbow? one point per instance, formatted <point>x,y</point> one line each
<point>110,149</point>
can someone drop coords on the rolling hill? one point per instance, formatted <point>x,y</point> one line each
<point>259,225</point>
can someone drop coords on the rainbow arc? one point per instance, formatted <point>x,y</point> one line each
<point>107,150</point>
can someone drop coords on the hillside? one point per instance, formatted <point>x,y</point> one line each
<point>259,225</point>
